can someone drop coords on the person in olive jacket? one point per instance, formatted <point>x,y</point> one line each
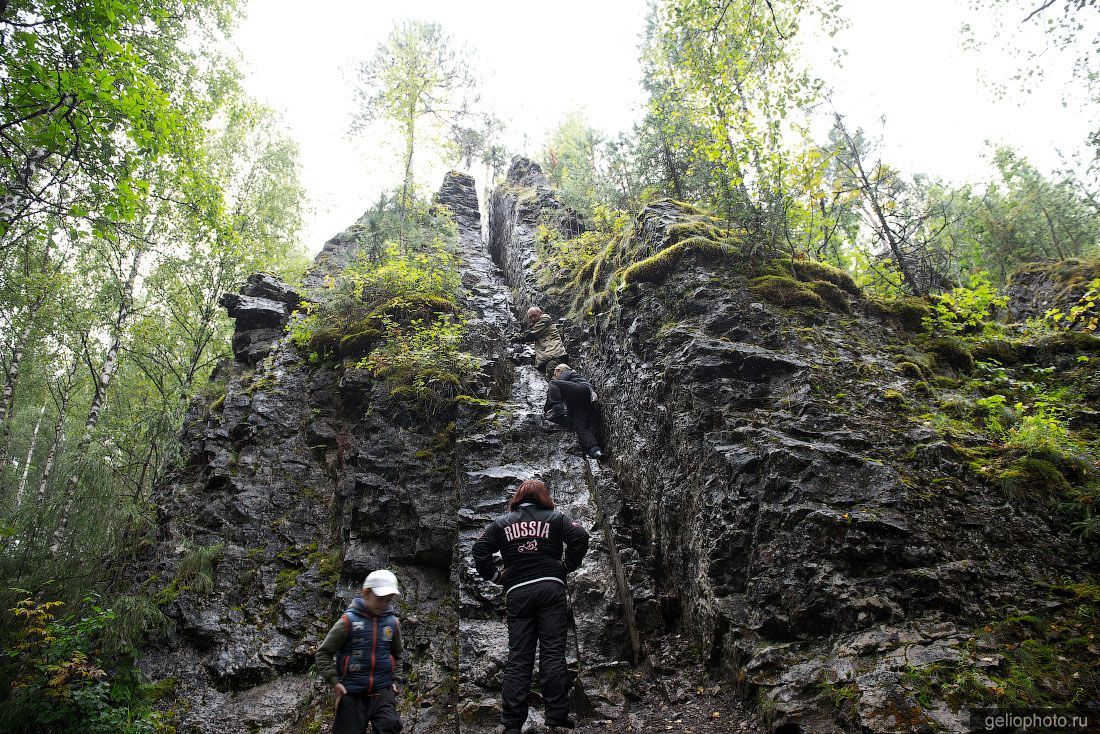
<point>532,538</point>
<point>549,348</point>
<point>358,658</point>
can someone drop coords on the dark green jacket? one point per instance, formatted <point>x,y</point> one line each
<point>546,339</point>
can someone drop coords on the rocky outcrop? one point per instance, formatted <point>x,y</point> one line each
<point>771,512</point>
<point>811,540</point>
<point>261,309</point>
<point>303,478</point>
<point>1038,287</point>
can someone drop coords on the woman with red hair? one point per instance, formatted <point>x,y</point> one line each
<point>539,545</point>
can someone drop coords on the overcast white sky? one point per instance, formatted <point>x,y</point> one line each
<point>904,61</point>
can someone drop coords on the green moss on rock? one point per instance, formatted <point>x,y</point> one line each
<point>1004,351</point>
<point>687,230</point>
<point>908,312</point>
<point>360,343</point>
<point>785,291</point>
<point>831,294</point>
<point>809,270</point>
<point>913,370</point>
<point>1032,477</point>
<point>951,353</point>
<point>657,268</point>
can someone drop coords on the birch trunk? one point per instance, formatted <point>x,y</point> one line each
<point>110,365</point>
<point>51,455</point>
<point>27,463</point>
<point>7,401</point>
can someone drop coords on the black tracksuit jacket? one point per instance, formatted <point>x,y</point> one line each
<point>531,540</point>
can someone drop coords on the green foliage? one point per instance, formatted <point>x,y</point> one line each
<point>965,309</point>
<point>59,679</point>
<point>1027,217</point>
<point>995,410</point>
<point>1083,315</point>
<point>572,159</point>
<point>421,362</point>
<point>406,271</point>
<point>142,185</point>
<point>418,77</point>
<point>395,310</point>
<point>1039,434</point>
<point>725,84</point>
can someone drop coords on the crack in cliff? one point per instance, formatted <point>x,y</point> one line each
<point>626,596</point>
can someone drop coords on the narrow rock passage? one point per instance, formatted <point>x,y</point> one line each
<point>495,450</point>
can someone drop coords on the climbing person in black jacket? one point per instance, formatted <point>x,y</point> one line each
<point>531,538</point>
<point>570,402</point>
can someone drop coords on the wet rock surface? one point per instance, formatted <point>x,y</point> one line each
<point>305,478</point>
<point>803,534</point>
<point>770,529</point>
<point>1034,289</point>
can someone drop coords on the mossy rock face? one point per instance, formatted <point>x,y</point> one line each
<point>361,343</point>
<point>1001,350</point>
<point>1033,478</point>
<point>326,340</point>
<point>831,294</point>
<point>656,268</point>
<point>913,370</point>
<point>895,398</point>
<point>686,230</point>
<point>810,270</point>
<point>1068,342</point>
<point>689,208</point>
<point>951,353</point>
<point>907,312</point>
<point>785,291</point>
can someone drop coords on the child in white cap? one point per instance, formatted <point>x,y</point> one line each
<point>358,658</point>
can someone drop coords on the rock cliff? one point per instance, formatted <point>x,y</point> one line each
<point>774,510</point>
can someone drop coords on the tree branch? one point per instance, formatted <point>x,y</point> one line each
<point>1037,10</point>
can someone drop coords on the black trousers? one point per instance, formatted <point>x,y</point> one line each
<point>578,398</point>
<point>539,613</point>
<point>356,710</point>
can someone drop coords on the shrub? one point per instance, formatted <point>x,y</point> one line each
<point>965,309</point>
<point>60,680</point>
<point>1083,315</point>
<point>422,362</point>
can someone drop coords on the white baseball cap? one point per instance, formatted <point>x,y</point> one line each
<point>382,583</point>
